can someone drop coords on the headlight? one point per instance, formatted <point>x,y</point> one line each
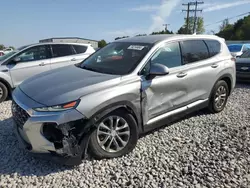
<point>60,107</point>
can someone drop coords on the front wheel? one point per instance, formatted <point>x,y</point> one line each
<point>3,92</point>
<point>219,97</point>
<point>115,136</point>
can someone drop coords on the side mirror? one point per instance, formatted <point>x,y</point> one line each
<point>158,70</point>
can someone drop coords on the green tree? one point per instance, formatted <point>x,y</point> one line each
<point>1,47</point>
<point>102,43</point>
<point>188,28</point>
<point>162,32</point>
<point>240,30</point>
<point>12,47</point>
<point>224,24</point>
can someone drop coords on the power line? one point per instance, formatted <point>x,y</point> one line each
<point>228,19</point>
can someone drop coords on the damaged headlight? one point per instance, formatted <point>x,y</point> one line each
<point>60,107</point>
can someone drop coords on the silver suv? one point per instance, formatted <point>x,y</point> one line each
<point>102,105</point>
<point>27,61</point>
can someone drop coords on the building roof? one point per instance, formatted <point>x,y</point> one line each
<point>152,39</point>
<point>68,38</point>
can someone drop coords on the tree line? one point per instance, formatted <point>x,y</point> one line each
<point>240,30</point>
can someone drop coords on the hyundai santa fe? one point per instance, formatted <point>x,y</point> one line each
<point>100,106</point>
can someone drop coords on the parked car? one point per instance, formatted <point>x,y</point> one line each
<point>243,67</point>
<point>7,50</point>
<point>238,49</point>
<point>20,64</point>
<point>103,104</point>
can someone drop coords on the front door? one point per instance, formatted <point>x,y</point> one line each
<point>32,61</point>
<point>165,93</point>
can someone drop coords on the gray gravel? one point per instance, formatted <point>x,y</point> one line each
<point>204,150</point>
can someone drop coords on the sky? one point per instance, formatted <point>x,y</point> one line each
<point>28,21</point>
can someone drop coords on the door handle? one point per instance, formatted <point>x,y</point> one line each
<point>181,75</point>
<point>214,65</point>
<point>74,59</point>
<point>42,64</point>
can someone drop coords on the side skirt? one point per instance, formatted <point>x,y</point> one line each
<point>174,115</point>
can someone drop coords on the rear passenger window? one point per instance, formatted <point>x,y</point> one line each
<point>193,50</point>
<point>60,50</point>
<point>213,47</point>
<point>168,55</point>
<point>80,49</point>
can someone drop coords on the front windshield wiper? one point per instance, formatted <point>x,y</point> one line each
<point>89,68</point>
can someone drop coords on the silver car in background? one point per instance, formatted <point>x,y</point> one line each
<point>27,61</point>
<point>126,88</point>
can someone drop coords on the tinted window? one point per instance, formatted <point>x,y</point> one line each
<point>117,58</point>
<point>80,49</point>
<point>60,50</point>
<point>213,46</point>
<point>193,50</point>
<point>34,54</point>
<point>168,55</point>
<point>246,54</point>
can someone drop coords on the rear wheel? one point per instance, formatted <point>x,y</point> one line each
<point>3,92</point>
<point>219,97</point>
<point>116,135</point>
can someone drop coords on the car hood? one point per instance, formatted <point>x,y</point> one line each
<point>236,53</point>
<point>243,60</point>
<point>66,84</point>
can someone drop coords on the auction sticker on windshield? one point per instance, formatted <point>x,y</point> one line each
<point>135,47</point>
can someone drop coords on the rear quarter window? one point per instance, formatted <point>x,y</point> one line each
<point>80,49</point>
<point>214,47</point>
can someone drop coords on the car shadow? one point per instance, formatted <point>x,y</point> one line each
<point>15,160</point>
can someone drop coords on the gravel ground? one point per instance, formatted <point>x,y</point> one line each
<point>204,150</point>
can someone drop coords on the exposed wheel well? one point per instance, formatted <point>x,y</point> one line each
<point>7,85</point>
<point>128,109</point>
<point>229,83</point>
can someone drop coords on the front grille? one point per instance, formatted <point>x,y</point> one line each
<point>243,67</point>
<point>20,116</point>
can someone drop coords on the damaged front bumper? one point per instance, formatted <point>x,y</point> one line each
<point>56,136</point>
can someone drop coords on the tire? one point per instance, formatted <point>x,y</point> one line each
<point>213,106</point>
<point>97,138</point>
<point>3,92</point>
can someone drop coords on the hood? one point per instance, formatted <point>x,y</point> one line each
<point>236,53</point>
<point>243,60</point>
<point>66,84</point>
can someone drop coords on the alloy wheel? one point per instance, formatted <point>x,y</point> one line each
<point>220,97</point>
<point>113,134</point>
<point>1,92</point>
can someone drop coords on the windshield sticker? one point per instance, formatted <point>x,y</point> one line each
<point>135,47</point>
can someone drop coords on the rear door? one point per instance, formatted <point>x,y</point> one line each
<point>32,61</point>
<point>201,67</point>
<point>62,55</point>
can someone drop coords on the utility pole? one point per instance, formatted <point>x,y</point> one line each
<point>188,10</point>
<point>195,15</point>
<point>187,19</point>
<point>166,27</point>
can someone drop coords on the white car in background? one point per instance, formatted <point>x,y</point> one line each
<point>7,50</point>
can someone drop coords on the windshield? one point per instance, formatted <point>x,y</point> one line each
<point>7,55</point>
<point>246,54</point>
<point>118,58</point>
<point>235,47</point>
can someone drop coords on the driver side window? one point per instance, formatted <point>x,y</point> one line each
<point>34,54</point>
<point>168,55</point>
